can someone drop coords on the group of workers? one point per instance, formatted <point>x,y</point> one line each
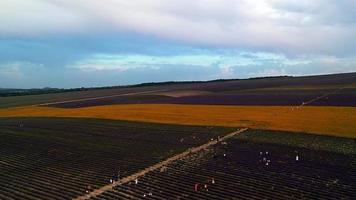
<point>203,186</point>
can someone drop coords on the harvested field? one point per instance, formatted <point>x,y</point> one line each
<point>243,168</point>
<point>43,158</point>
<point>15,101</point>
<point>274,99</point>
<point>271,92</point>
<point>338,121</point>
<point>184,93</point>
<point>267,100</point>
<point>136,99</point>
<point>261,91</point>
<point>306,87</point>
<point>326,81</point>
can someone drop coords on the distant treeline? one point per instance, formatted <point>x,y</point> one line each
<point>22,92</point>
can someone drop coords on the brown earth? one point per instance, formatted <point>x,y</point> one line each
<point>184,93</point>
<point>337,121</point>
<point>157,166</point>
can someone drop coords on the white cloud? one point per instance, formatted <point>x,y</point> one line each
<point>116,69</point>
<point>303,26</point>
<point>224,61</point>
<point>16,72</point>
<point>37,17</point>
<point>15,69</point>
<point>11,70</point>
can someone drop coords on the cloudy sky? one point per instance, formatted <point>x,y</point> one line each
<point>66,43</point>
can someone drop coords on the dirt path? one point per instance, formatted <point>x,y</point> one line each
<point>96,98</point>
<point>157,166</point>
<point>325,95</point>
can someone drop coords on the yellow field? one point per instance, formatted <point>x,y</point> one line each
<point>339,121</point>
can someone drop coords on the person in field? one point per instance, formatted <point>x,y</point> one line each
<point>206,187</point>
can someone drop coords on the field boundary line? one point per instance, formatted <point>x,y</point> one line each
<point>325,95</point>
<point>158,166</point>
<point>96,98</point>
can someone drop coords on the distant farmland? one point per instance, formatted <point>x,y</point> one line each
<point>276,91</point>
<point>338,121</point>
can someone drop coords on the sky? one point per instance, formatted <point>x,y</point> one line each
<point>88,43</point>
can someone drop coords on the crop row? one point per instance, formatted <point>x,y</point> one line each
<point>63,159</point>
<point>240,171</point>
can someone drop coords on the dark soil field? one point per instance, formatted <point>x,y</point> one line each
<point>267,99</point>
<point>255,165</point>
<point>221,99</point>
<point>331,90</point>
<point>258,91</point>
<point>15,101</point>
<point>48,158</point>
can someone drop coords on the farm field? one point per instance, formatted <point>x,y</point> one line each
<point>333,90</point>
<point>69,145</point>
<point>177,100</point>
<point>254,165</point>
<point>341,90</point>
<point>338,121</point>
<point>276,98</point>
<point>49,158</point>
<point>6,102</point>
